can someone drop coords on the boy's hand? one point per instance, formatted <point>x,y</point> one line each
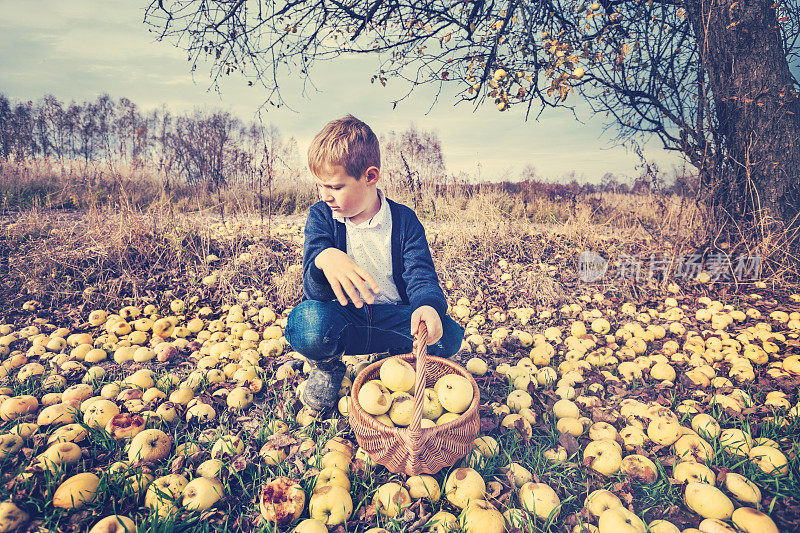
<point>430,317</point>
<point>345,276</point>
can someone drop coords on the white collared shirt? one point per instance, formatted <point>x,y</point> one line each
<point>370,245</point>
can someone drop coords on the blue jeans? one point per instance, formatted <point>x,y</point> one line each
<point>323,330</point>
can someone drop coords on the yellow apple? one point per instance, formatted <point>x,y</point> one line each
<point>632,436</point>
<point>332,475</point>
<point>423,486</point>
<point>735,442</point>
<point>481,516</point>
<point>374,398</point>
<point>391,499</point>
<point>663,526</point>
<point>202,493</point>
<point>397,375</point>
<point>402,409</point>
<point>521,474</point>
<point>464,485</point>
<point>431,408</point>
<point>600,500</point>
<point>539,499</point>
<point>742,488</point>
<point>164,492</point>
<point>114,524</point>
<point>706,426</point>
<point>210,468</point>
<point>331,504</point>
<point>454,392</point>
<point>443,522</point>
<point>150,445</point>
<point>687,471</point>
<point>604,456</point>
<point>693,447</point>
<point>311,525</point>
<point>620,520</point>
<point>664,431</point>
<point>76,491</point>
<point>769,460</point>
<point>566,409</point>
<point>12,518</point>
<point>640,468</point>
<point>707,501</point>
<point>749,520</point>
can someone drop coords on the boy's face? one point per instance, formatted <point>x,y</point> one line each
<point>347,196</point>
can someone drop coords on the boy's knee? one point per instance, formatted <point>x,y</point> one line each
<point>450,343</point>
<point>308,331</point>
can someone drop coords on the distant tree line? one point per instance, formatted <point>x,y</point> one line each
<point>204,149</point>
<point>209,150</point>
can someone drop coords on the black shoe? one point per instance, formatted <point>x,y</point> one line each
<point>322,388</point>
<point>373,357</point>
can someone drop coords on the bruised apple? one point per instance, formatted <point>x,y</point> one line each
<point>464,485</point>
<point>391,499</point>
<point>742,488</point>
<point>640,468</point>
<point>124,426</point>
<point>375,398</point>
<point>282,501</point>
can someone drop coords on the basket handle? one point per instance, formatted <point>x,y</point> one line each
<point>421,355</point>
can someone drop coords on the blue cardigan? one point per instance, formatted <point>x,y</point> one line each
<point>412,265</point>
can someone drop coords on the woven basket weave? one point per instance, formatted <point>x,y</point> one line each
<point>414,450</point>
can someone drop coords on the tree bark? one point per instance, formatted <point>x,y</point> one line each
<point>757,109</point>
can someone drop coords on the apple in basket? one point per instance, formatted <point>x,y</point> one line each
<point>454,392</point>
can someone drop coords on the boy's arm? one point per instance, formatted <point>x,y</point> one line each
<point>422,283</point>
<point>318,237</point>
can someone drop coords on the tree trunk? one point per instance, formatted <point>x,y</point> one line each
<point>757,110</point>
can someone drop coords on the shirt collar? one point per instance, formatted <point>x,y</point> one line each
<point>379,218</point>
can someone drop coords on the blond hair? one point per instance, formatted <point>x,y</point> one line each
<point>346,142</point>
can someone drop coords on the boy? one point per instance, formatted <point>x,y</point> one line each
<point>368,275</point>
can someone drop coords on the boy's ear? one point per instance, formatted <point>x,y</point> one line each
<point>372,175</point>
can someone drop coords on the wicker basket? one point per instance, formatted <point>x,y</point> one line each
<point>414,450</point>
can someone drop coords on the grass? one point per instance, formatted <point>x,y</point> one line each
<point>102,258</point>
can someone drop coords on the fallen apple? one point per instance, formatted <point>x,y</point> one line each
<point>464,485</point>
<point>114,524</point>
<point>539,499</point>
<point>202,493</point>
<point>391,499</point>
<point>481,516</point>
<point>76,491</point>
<point>331,505</point>
<point>707,501</point>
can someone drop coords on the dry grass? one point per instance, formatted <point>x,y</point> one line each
<point>125,240</point>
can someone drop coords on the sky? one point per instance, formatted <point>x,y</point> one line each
<point>80,49</point>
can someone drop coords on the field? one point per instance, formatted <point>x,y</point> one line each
<point>175,319</point>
